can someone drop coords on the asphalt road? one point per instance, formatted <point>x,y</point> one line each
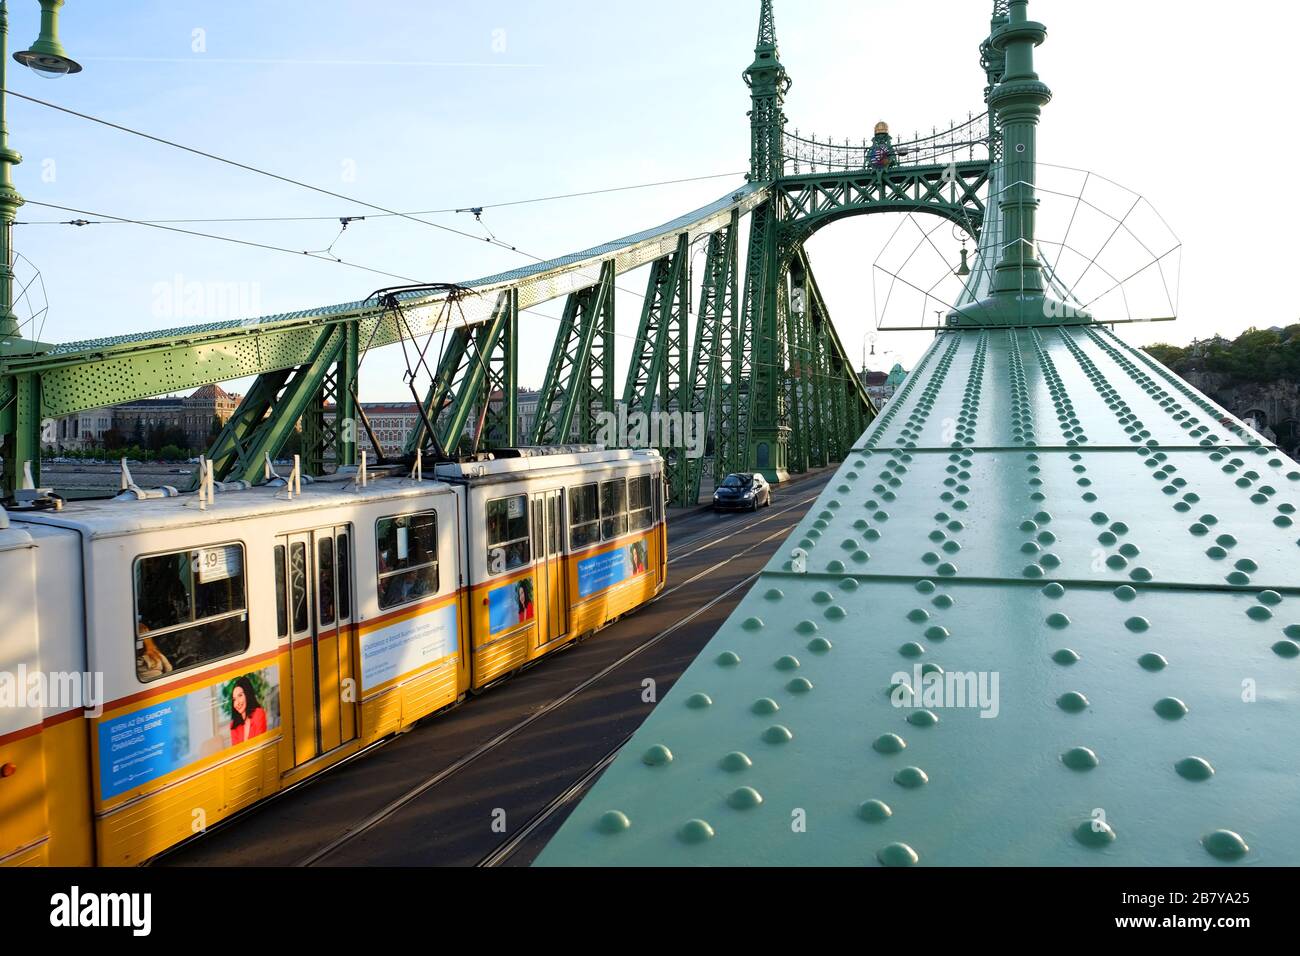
<point>490,781</point>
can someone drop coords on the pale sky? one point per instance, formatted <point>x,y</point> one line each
<point>430,104</point>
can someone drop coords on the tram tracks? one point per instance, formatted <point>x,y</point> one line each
<point>388,811</point>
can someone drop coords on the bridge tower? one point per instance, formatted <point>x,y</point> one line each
<point>761,433</point>
<point>1018,295</point>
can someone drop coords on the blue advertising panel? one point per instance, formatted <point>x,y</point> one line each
<point>602,571</point>
<point>160,737</point>
<point>510,605</point>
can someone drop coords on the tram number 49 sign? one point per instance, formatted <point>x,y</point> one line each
<point>216,564</point>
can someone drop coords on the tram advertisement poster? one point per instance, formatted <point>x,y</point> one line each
<point>603,571</point>
<point>405,646</point>
<point>510,605</point>
<point>163,736</point>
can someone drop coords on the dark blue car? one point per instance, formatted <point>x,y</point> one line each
<point>742,493</point>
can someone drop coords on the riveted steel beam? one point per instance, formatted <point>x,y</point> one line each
<point>499,417</point>
<point>712,350</point>
<point>656,377</point>
<point>577,368</point>
<point>272,410</point>
<point>465,382</point>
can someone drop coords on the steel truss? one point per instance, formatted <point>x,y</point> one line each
<point>711,368</point>
<point>656,379</point>
<point>473,399</point>
<point>579,380</point>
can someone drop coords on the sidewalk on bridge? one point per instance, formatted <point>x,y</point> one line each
<point>706,490</point>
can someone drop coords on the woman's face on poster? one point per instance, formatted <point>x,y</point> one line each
<point>239,701</point>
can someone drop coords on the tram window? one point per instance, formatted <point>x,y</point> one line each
<point>507,534</point>
<point>345,579</point>
<point>539,529</point>
<point>613,509</point>
<point>281,608</point>
<point>584,516</point>
<point>640,504</point>
<point>325,585</point>
<point>298,586</point>
<point>553,525</point>
<point>406,549</point>
<point>190,609</point>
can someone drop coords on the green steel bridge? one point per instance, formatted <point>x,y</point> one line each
<point>1081,573</point>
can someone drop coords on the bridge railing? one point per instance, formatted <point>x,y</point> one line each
<point>970,140</point>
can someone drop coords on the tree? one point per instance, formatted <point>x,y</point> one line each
<point>1173,357</point>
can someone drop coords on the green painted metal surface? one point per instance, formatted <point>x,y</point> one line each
<point>657,376</point>
<point>711,355</point>
<point>1045,507</point>
<point>579,377</point>
<point>816,200</point>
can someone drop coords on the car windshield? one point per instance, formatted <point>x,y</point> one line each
<point>736,481</point>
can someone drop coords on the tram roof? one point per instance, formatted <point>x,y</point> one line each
<point>102,518</point>
<point>1049,509</point>
<point>98,518</point>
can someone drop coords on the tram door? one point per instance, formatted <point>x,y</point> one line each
<point>318,591</point>
<point>552,598</point>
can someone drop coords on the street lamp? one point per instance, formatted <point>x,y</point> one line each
<point>47,58</point>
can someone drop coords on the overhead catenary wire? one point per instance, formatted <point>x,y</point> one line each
<point>241,242</point>
<point>385,211</point>
<point>418,212</point>
<point>238,165</point>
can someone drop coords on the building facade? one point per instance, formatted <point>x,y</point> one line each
<point>143,422</point>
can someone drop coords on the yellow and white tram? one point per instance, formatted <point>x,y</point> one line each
<point>163,665</point>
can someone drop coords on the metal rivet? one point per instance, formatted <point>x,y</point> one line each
<point>657,756</point>
<point>1194,768</point>
<point>612,822</point>
<point>1072,702</point>
<point>745,798</point>
<point>735,762</point>
<point>1225,844</point>
<point>777,735</point>
<point>911,778</point>
<point>889,744</point>
<point>696,831</point>
<point>1094,833</point>
<point>898,854</point>
<point>1080,758</point>
<point>1171,708</point>
<point>875,811</point>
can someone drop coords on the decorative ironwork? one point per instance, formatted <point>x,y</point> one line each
<point>968,141</point>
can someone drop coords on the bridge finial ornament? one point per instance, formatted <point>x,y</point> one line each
<point>768,83</point>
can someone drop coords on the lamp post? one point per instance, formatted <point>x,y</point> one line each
<point>46,57</point>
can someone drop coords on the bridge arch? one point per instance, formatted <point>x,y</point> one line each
<point>814,201</point>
